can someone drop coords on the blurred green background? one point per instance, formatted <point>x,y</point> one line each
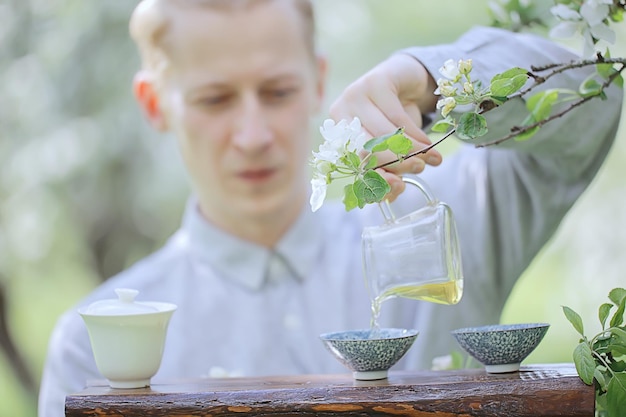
<point>86,188</point>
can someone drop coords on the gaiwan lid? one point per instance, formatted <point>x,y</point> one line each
<point>125,304</point>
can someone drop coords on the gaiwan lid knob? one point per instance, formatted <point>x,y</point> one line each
<point>125,304</point>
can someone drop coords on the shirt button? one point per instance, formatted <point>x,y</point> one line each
<point>291,322</point>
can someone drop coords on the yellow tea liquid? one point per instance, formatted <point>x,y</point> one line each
<point>449,292</point>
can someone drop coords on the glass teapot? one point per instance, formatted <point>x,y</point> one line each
<point>415,256</point>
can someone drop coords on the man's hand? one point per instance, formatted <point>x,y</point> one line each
<point>393,94</point>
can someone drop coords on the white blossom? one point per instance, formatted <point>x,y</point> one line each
<point>594,13</point>
<point>446,105</point>
<point>465,66</point>
<point>339,139</point>
<point>342,136</point>
<point>445,88</point>
<point>588,23</point>
<point>468,88</point>
<point>318,195</point>
<point>562,12</point>
<point>450,70</point>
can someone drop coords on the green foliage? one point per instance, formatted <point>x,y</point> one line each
<point>369,186</point>
<point>471,125</point>
<point>603,358</point>
<point>508,82</point>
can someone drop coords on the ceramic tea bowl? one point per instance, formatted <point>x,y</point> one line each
<point>369,354</point>
<point>127,337</point>
<point>501,347</point>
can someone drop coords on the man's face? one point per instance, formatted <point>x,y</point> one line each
<point>239,94</point>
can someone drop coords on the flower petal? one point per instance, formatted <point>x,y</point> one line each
<point>318,194</point>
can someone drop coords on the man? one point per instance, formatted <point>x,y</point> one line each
<point>255,274</point>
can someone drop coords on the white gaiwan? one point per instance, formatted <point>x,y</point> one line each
<point>127,337</point>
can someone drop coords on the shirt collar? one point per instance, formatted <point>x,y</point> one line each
<point>247,263</point>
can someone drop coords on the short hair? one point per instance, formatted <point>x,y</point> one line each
<point>150,22</point>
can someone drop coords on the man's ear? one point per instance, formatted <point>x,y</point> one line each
<point>148,98</point>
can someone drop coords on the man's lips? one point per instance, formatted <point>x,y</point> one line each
<point>257,175</point>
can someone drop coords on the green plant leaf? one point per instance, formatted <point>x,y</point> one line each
<point>371,188</point>
<point>601,342</point>
<point>583,360</point>
<point>351,160</point>
<point>399,144</point>
<point>617,350</point>
<point>618,366</point>
<point>617,295</point>
<point>349,198</point>
<point>599,376</point>
<point>616,395</point>
<point>540,105</point>
<point>508,82</point>
<point>618,316</point>
<point>619,81</point>
<point>619,334</point>
<point>603,313</point>
<point>575,319</point>
<point>442,126</point>
<point>379,143</point>
<point>471,125</point>
<point>590,87</point>
<point>371,162</point>
<point>527,134</point>
<point>606,70</point>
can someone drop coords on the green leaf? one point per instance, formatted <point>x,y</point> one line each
<point>590,87</point>
<point>379,143</point>
<point>371,188</point>
<point>510,73</point>
<point>603,313</point>
<point>601,342</point>
<point>618,316</point>
<point>351,160</point>
<point>527,134</point>
<point>371,162</point>
<point>618,366</point>
<point>471,125</point>
<point>619,334</point>
<point>606,71</point>
<point>575,319</point>
<point>583,360</point>
<point>617,295</point>
<point>442,126</point>
<point>616,395</point>
<point>540,105</point>
<point>599,376</point>
<point>399,144</point>
<point>617,350</point>
<point>508,82</point>
<point>349,198</point>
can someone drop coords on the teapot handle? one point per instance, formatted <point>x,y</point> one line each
<point>417,182</point>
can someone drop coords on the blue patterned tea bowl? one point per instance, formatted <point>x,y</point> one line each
<point>369,353</point>
<point>501,347</point>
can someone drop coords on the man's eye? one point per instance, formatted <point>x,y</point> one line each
<point>277,94</point>
<point>213,101</point>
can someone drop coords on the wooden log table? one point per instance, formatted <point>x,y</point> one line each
<point>535,391</point>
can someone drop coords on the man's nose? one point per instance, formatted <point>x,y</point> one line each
<point>252,131</point>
